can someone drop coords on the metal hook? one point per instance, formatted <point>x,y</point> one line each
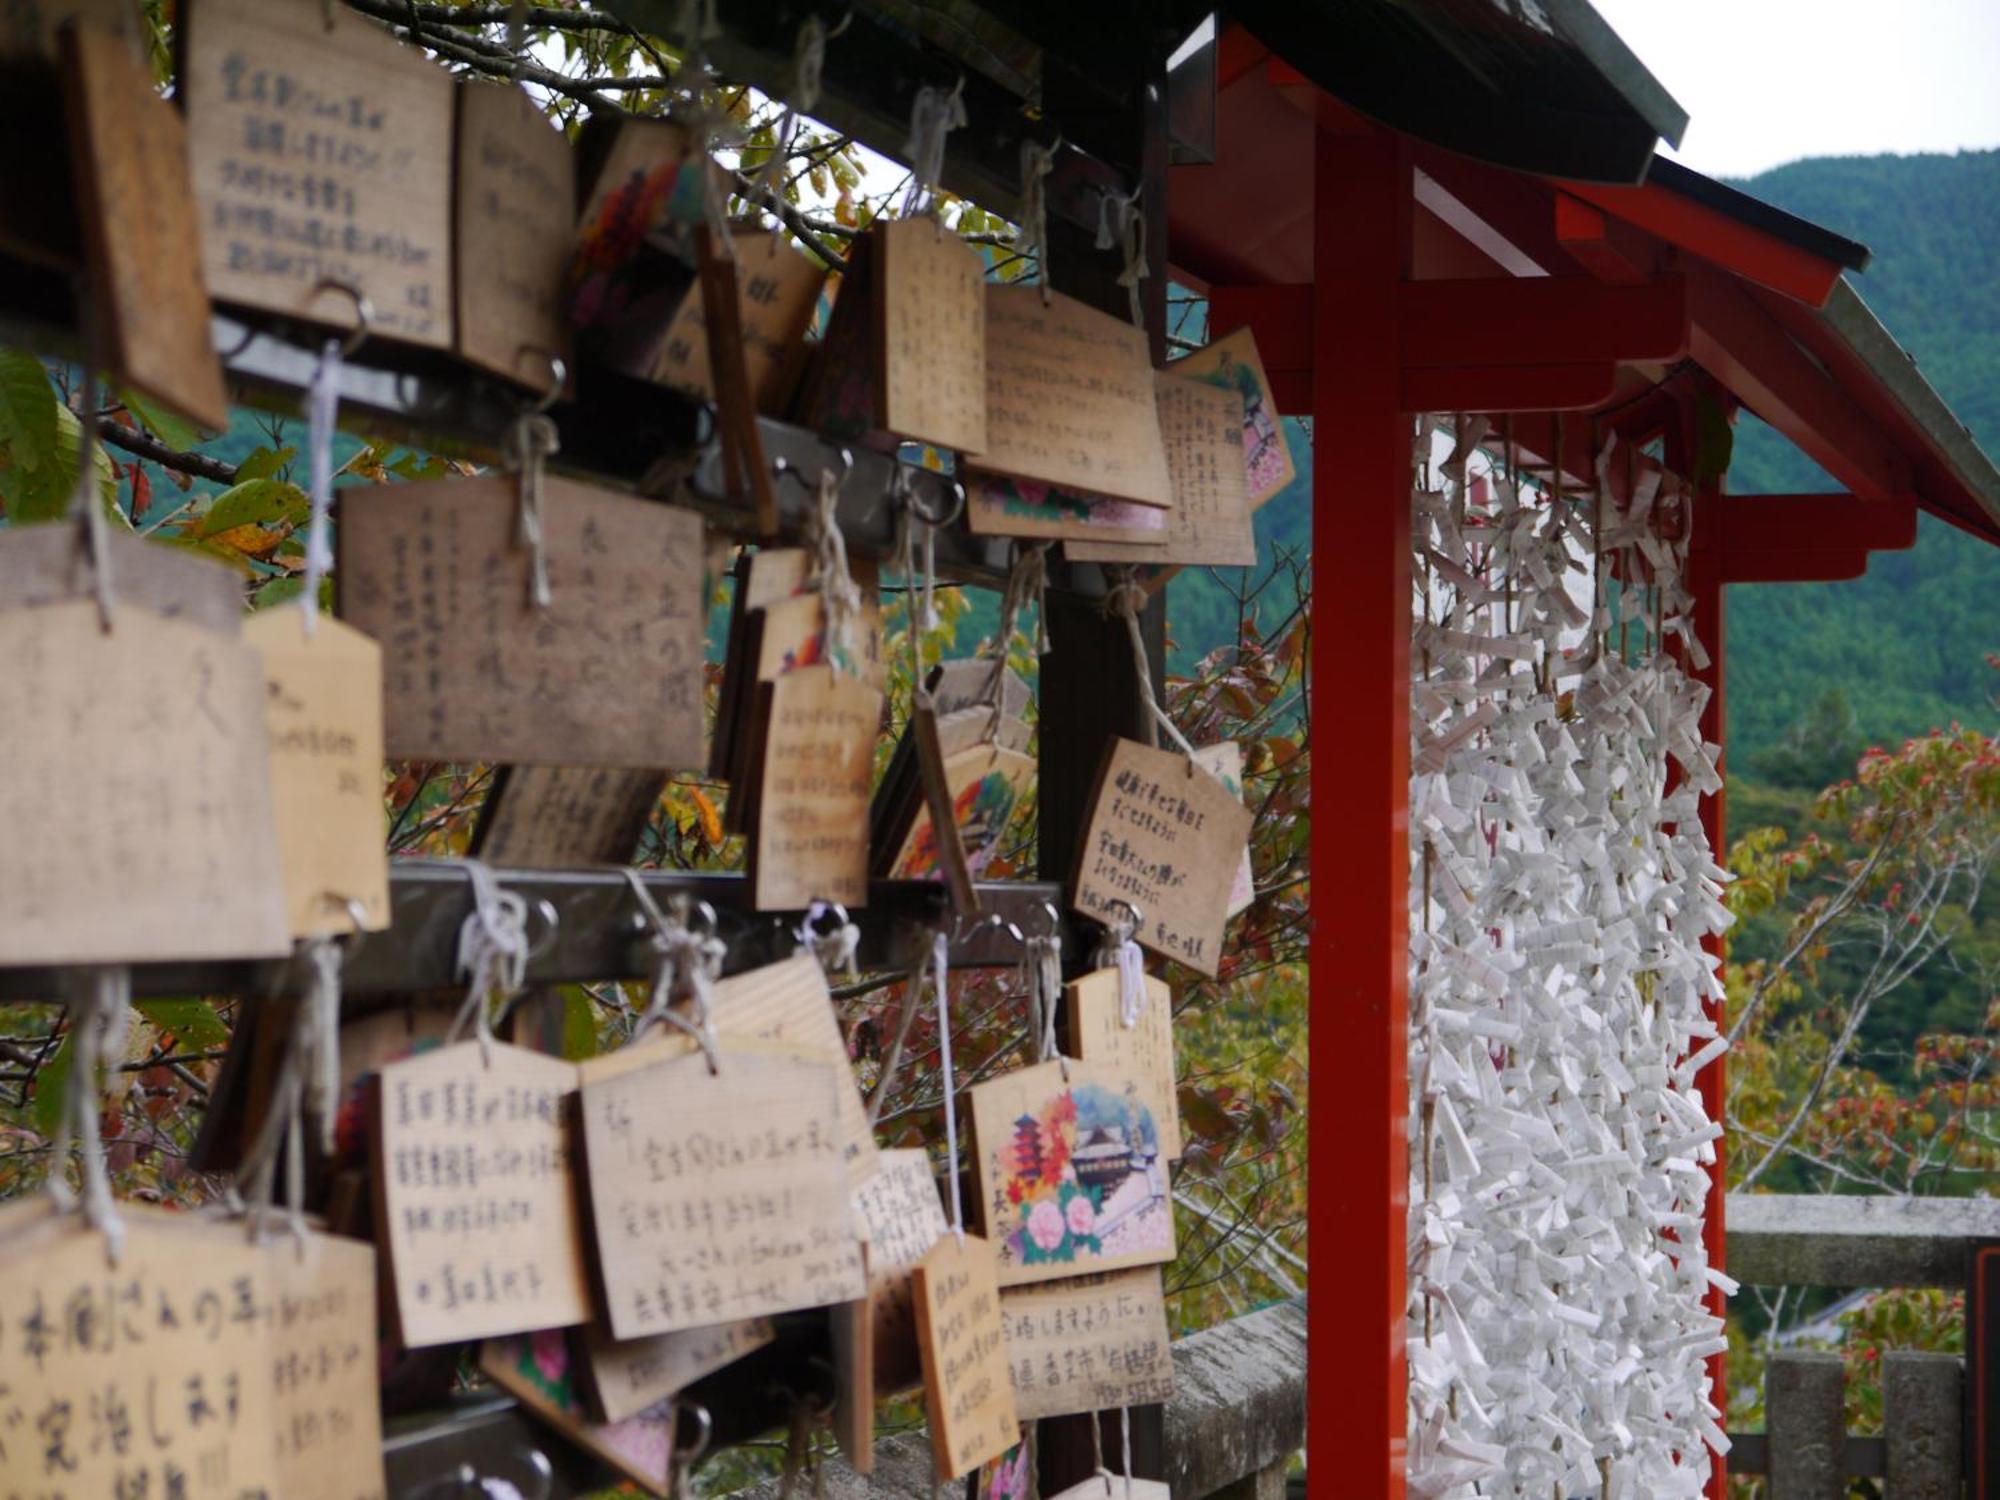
<point>364,311</point>
<point>1129,929</point>
<point>551,920</point>
<point>1052,920</point>
<point>961,934</point>
<point>558,379</point>
<point>688,1457</point>
<point>904,492</point>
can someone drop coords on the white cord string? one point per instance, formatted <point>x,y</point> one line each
<point>1033,236</point>
<point>492,954</point>
<point>684,963</point>
<point>530,442</point>
<point>1125,1432</point>
<point>1121,223</point>
<point>837,588</point>
<point>1119,951</point>
<point>322,411</point>
<point>1127,598</point>
<point>934,114</point>
<point>1041,973</point>
<point>86,506</point>
<point>940,979</point>
<point>99,1006</point>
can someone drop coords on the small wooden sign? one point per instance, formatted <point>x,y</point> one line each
<point>323,709</point>
<point>788,1002</point>
<point>565,817</point>
<point>930,307</point>
<point>718,1196</point>
<point>545,1373</point>
<point>1070,1174</point>
<point>816,761</point>
<point>777,292</point>
<point>1209,525</point>
<point>1232,363</point>
<point>149,307</point>
<point>902,1217</point>
<point>1088,1344</point>
<point>628,1376</point>
<point>631,260</point>
<point>978,786</point>
<point>324,1377</point>
<point>476,1194</point>
<point>43,564</point>
<point>996,505</point>
<point>1167,837</point>
<point>1224,761</point>
<point>610,673</point>
<point>152,1375</point>
<point>512,192</point>
<point>320,152</point>
<point>1069,398</point>
<point>968,1397</point>
<point>1143,1051</point>
<point>159,843</point>
<point>851,1335</point>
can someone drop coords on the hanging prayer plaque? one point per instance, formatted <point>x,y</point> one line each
<point>817,755</point>
<point>632,258</point>
<point>511,197</point>
<point>1209,524</point>
<point>324,1376</point>
<point>1232,363</point>
<point>628,1376</point>
<point>149,308</point>
<point>1224,761</point>
<point>1142,1051</point>
<point>718,1196</point>
<point>1070,1173</point>
<point>1117,1487</point>
<point>777,291</point>
<point>930,338</point>
<point>565,817</point>
<point>609,672</point>
<point>320,151</point>
<point>323,709</point>
<point>967,1396</point>
<point>544,1373</point>
<point>41,564</point>
<point>1069,398</point>
<point>475,1195</point>
<point>150,1376</point>
<point>159,843</point>
<point>902,1217</point>
<point>1088,1344</point>
<point>996,505</point>
<point>1166,837</point>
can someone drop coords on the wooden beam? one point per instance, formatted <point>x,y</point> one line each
<point>1504,388</point>
<point>1547,320</point>
<point>1808,538</point>
<point>1746,350</point>
<point>1605,247</point>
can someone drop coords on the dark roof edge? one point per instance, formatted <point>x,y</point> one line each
<point>1812,238</point>
<point>1620,66</point>
<point>1852,321</point>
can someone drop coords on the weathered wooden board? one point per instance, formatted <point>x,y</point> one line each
<point>1089,1344</point>
<point>967,1395</point>
<point>1143,1051</point>
<point>512,188</point>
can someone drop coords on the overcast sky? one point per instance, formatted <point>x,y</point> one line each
<point>1768,81</point>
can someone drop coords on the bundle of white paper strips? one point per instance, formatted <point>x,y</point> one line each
<point>1560,896</point>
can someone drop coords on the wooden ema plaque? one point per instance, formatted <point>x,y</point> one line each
<point>149,308</point>
<point>1115,1487</point>
<point>1089,1344</point>
<point>996,505</point>
<point>1224,761</point>
<point>475,1193</point>
<point>777,290</point>
<point>610,673</point>
<point>43,564</point>
<point>150,1377</point>
<point>718,1196</point>
<point>320,151</point>
<point>815,763</point>
<point>514,184</point>
<point>1144,1051</point>
<point>1232,362</point>
<point>968,1398</point>
<point>544,1372</point>
<point>1167,837</point>
<point>901,1217</point>
<point>159,843</point>
<point>1069,399</point>
<point>930,335</point>
<point>1070,1175</point>
<point>324,1368</point>
<point>323,710</point>
<point>565,817</point>
<point>1209,524</point>
<point>628,1376</point>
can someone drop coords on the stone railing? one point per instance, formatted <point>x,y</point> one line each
<point>1806,1450</point>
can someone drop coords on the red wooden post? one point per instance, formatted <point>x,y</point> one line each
<point>1360,682</point>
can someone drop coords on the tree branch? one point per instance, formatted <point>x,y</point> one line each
<point>200,465</point>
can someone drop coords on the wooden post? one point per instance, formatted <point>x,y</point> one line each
<point>1922,1412</point>
<point>1808,1429</point>
<point>1360,686</point>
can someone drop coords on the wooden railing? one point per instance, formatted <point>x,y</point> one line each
<point>1806,1451</point>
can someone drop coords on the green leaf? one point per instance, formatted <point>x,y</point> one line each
<point>195,1023</point>
<point>51,1083</point>
<point>265,463</point>
<point>29,438</point>
<point>173,430</point>
<point>277,591</point>
<point>579,1033</point>
<point>255,501</point>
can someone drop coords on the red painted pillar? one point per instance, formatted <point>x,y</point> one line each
<point>1360,685</point>
<point>1711,628</point>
